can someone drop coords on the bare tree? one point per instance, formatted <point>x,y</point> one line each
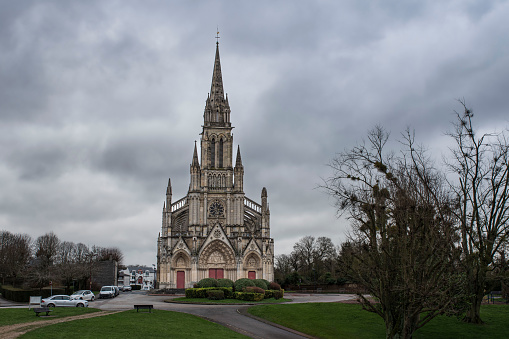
<point>15,253</point>
<point>481,163</point>
<point>46,247</point>
<point>402,244</point>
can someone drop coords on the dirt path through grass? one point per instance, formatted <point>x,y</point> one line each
<point>14,331</point>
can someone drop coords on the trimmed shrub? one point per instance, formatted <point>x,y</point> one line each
<point>224,283</point>
<point>202,292</point>
<point>274,286</point>
<point>260,283</point>
<point>207,282</point>
<point>254,289</point>
<point>135,287</point>
<point>266,283</point>
<point>215,294</point>
<point>279,294</point>
<point>248,296</point>
<point>243,283</point>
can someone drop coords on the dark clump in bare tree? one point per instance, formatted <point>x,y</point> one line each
<point>481,163</point>
<point>401,248</point>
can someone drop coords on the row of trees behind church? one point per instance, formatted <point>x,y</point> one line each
<point>34,263</point>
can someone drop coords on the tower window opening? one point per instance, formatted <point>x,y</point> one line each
<point>213,153</point>
<point>220,153</point>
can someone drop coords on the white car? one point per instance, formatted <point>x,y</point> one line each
<point>107,292</point>
<point>126,288</point>
<point>83,295</point>
<point>63,300</point>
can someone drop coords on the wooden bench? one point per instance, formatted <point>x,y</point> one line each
<point>38,310</point>
<point>144,307</point>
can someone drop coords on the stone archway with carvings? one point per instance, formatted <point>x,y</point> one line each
<point>252,261</point>
<point>181,260</point>
<point>217,254</point>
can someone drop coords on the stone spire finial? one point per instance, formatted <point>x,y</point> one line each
<point>168,189</point>
<point>238,162</point>
<point>195,162</point>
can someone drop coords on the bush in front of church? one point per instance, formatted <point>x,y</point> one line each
<point>261,283</point>
<point>274,286</point>
<point>203,292</point>
<point>254,289</point>
<point>215,294</point>
<point>248,296</point>
<point>224,283</point>
<point>242,283</point>
<point>207,282</point>
<point>276,294</point>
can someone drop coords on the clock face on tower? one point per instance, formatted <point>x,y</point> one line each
<point>216,209</point>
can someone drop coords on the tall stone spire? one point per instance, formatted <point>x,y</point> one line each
<point>238,162</point>
<point>217,109</point>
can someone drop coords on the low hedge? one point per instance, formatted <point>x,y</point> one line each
<point>215,294</point>
<point>248,296</point>
<point>21,295</point>
<point>202,292</point>
<point>276,294</point>
<point>254,289</point>
<point>135,287</point>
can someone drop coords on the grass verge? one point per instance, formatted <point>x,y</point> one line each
<point>336,320</point>
<point>227,301</point>
<point>158,324</point>
<point>10,316</point>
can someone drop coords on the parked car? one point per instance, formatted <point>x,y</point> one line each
<point>83,295</point>
<point>127,288</point>
<point>107,292</point>
<point>63,300</point>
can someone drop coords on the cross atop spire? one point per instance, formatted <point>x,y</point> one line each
<point>217,36</point>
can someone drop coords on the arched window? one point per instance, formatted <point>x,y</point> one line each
<point>220,153</point>
<point>213,153</point>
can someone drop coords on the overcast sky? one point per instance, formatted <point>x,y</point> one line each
<point>101,102</point>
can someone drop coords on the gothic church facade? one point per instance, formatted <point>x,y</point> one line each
<point>215,230</point>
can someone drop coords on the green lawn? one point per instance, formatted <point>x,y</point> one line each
<point>228,301</point>
<point>336,320</point>
<point>9,316</point>
<point>129,324</point>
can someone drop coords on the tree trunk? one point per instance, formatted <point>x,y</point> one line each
<point>473,315</point>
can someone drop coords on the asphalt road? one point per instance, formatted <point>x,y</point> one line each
<point>228,315</point>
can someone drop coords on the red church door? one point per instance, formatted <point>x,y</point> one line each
<point>216,273</point>
<point>251,275</point>
<point>181,279</point>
